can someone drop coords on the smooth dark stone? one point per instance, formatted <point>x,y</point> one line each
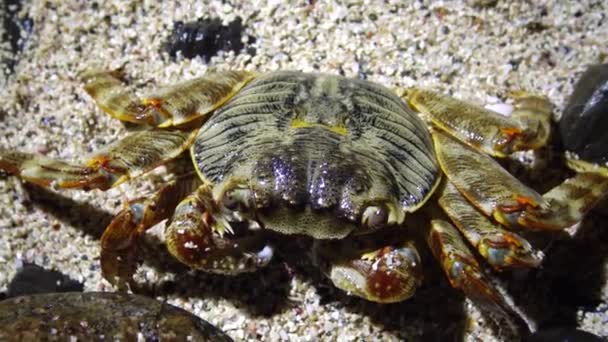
<point>584,124</point>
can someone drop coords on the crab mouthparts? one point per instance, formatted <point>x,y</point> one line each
<point>308,222</point>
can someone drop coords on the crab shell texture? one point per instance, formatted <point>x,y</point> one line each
<point>356,146</point>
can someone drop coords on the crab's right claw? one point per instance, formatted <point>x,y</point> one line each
<point>201,238</point>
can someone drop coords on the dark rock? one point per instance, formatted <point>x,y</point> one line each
<point>33,279</point>
<point>562,334</point>
<point>205,38</point>
<point>99,316</point>
<point>16,30</point>
<point>584,124</point>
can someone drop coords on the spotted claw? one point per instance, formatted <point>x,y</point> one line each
<point>201,238</point>
<point>387,275</point>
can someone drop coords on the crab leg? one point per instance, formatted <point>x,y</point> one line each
<point>483,129</point>
<point>201,238</point>
<point>568,204</point>
<point>499,247</point>
<point>130,157</point>
<point>119,242</point>
<point>388,274</point>
<point>497,193</point>
<point>461,267</point>
<point>172,106</point>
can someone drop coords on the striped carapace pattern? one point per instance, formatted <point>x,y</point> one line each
<point>319,141</point>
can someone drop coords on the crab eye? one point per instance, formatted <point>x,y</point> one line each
<point>236,199</point>
<point>375,217</point>
<point>230,201</point>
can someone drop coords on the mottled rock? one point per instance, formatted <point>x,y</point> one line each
<point>100,316</point>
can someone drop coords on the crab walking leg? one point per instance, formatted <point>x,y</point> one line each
<point>171,106</point>
<point>201,238</point>
<point>484,129</point>
<point>460,266</point>
<point>533,112</point>
<point>568,203</point>
<point>499,247</point>
<point>497,193</point>
<point>387,274</point>
<point>130,157</point>
<point>119,242</point>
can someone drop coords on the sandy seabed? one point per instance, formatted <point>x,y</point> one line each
<point>468,49</point>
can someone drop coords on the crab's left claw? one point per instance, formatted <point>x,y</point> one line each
<point>385,275</point>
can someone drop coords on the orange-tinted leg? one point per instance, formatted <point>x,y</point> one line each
<point>172,106</point>
<point>460,266</point>
<point>119,250</point>
<point>130,157</point>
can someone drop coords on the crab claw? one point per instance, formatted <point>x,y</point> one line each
<point>202,239</point>
<point>386,275</point>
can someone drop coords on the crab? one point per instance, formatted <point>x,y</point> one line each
<point>368,174</point>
